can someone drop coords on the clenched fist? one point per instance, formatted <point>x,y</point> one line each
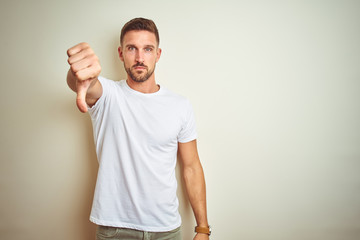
<point>84,69</point>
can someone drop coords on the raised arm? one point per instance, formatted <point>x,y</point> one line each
<point>83,74</point>
<point>193,175</point>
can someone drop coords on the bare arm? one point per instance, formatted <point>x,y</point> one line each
<point>83,74</point>
<point>193,175</point>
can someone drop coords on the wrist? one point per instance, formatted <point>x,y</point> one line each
<point>200,229</point>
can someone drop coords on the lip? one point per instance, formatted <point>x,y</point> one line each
<point>139,68</point>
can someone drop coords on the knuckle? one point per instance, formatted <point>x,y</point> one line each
<point>94,58</point>
<point>90,52</point>
<point>79,76</point>
<point>97,72</point>
<point>73,68</point>
<point>96,68</point>
<point>84,44</point>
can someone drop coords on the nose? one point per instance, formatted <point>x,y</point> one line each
<point>139,56</point>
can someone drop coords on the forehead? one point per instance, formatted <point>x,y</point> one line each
<point>140,38</point>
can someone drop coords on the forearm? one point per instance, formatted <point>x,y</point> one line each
<point>196,189</point>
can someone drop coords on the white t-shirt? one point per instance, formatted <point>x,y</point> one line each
<point>136,138</point>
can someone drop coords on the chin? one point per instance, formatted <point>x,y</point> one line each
<point>139,78</point>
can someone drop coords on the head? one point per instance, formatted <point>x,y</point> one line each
<point>139,24</point>
<point>139,48</point>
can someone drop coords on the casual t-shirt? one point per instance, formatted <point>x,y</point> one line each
<point>136,139</point>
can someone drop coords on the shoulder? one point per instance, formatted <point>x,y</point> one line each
<point>175,97</point>
<point>106,81</point>
<point>110,85</point>
<point>178,104</point>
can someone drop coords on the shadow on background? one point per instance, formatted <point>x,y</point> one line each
<point>85,179</point>
<point>91,173</point>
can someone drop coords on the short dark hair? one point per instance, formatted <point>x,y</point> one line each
<point>140,24</point>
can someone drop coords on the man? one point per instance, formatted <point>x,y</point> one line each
<point>139,127</point>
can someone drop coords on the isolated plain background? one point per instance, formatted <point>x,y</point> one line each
<point>275,87</point>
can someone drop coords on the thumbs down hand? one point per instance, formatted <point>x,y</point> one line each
<point>84,69</point>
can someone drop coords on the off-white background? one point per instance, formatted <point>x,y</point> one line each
<point>275,86</point>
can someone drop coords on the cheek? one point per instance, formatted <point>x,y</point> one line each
<point>151,58</point>
<point>128,55</point>
<point>127,62</point>
<point>128,58</point>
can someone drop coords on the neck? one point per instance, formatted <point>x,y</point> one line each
<point>149,86</point>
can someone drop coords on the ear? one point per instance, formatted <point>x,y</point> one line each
<point>120,54</point>
<point>158,54</point>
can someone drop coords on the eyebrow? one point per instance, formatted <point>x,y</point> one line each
<point>130,45</point>
<point>149,46</point>
<point>146,46</point>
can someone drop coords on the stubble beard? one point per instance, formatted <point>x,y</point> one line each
<point>136,77</point>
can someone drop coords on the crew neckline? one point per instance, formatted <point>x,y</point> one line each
<point>141,93</point>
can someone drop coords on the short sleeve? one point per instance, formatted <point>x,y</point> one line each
<point>97,108</point>
<point>188,130</point>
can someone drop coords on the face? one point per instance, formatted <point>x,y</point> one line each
<point>140,53</point>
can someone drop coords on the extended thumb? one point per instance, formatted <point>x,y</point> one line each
<point>80,98</point>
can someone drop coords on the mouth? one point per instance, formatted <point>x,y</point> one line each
<point>139,67</point>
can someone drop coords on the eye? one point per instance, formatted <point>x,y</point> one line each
<point>131,48</point>
<point>148,49</point>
